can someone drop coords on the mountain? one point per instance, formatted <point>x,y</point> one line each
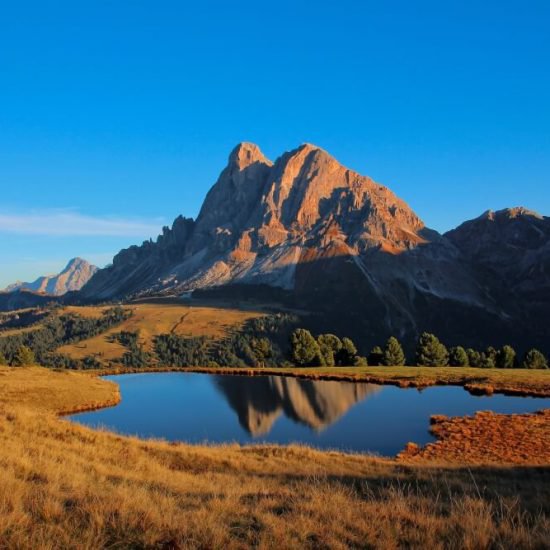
<point>311,232</point>
<point>75,275</point>
<point>510,251</point>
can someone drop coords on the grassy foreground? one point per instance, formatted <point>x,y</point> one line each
<point>65,486</point>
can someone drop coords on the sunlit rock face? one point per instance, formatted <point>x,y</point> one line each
<point>262,219</point>
<point>307,226</point>
<point>259,401</point>
<point>75,275</point>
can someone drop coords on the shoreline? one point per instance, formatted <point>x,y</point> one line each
<point>471,385</point>
<point>525,429</point>
<point>454,444</point>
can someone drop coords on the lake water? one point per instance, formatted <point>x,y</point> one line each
<point>199,408</point>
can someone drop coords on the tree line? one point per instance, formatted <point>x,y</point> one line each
<point>259,344</point>
<point>431,352</point>
<point>271,341</point>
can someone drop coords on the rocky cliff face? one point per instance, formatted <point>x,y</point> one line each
<point>335,240</point>
<point>75,275</point>
<point>261,220</point>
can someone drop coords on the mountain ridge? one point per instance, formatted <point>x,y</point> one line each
<point>73,277</point>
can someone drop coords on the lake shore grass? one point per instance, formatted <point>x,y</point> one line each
<point>521,382</point>
<point>66,486</point>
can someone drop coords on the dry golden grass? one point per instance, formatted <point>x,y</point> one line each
<point>14,331</point>
<point>92,312</point>
<point>54,391</point>
<point>153,319</point>
<point>65,486</point>
<point>486,438</point>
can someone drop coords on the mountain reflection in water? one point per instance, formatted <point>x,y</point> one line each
<point>260,400</point>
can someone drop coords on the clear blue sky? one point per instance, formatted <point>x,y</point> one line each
<point>117,116</point>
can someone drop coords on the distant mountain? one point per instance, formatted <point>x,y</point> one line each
<point>77,273</point>
<point>307,230</point>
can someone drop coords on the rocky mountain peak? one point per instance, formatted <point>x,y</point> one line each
<point>76,263</point>
<point>510,213</point>
<point>246,154</point>
<point>510,227</point>
<point>75,275</point>
<point>262,219</point>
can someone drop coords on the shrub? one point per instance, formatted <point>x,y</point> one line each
<point>61,361</point>
<point>431,352</point>
<point>458,357</point>
<point>3,360</point>
<point>534,359</point>
<point>24,357</point>
<point>90,362</point>
<point>393,353</point>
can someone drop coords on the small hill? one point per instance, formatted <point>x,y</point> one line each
<point>152,319</point>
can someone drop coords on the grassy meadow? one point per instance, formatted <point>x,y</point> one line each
<point>151,319</point>
<point>66,486</point>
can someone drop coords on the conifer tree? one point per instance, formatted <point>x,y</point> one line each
<point>305,349</point>
<point>393,353</point>
<point>330,345</point>
<point>458,357</point>
<point>506,358</point>
<point>431,352</point>
<point>534,359</point>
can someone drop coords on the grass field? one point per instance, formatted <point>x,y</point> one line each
<point>14,331</point>
<point>151,319</point>
<point>65,486</point>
